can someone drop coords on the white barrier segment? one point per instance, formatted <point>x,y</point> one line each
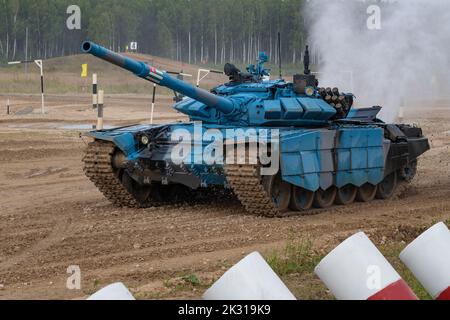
<point>428,257</point>
<point>116,291</point>
<point>250,279</point>
<point>356,269</point>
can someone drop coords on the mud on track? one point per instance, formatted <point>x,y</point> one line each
<point>52,217</point>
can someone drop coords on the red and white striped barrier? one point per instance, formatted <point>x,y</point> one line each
<point>356,270</point>
<point>428,257</point>
<point>250,279</point>
<point>116,291</point>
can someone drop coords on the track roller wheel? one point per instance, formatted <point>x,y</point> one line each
<point>279,191</point>
<point>325,198</point>
<point>386,188</point>
<point>346,195</point>
<point>301,199</point>
<point>366,193</point>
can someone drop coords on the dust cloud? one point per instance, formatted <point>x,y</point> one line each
<point>406,59</point>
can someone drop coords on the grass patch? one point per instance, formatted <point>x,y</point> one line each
<point>192,279</point>
<point>186,282</point>
<point>63,76</point>
<point>93,287</point>
<point>297,257</point>
<point>295,265</point>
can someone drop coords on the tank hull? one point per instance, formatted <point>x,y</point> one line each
<point>325,164</point>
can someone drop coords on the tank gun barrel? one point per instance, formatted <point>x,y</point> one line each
<point>161,78</point>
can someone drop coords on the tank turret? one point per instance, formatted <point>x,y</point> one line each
<point>249,99</point>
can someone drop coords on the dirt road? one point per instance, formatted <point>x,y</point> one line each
<point>52,217</point>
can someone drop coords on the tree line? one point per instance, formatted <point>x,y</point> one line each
<point>192,31</point>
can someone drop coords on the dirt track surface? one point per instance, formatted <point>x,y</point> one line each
<point>52,217</point>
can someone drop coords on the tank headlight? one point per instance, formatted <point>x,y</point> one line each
<point>309,91</point>
<point>145,140</point>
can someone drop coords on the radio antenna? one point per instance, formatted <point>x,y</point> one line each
<point>279,55</point>
<point>306,61</point>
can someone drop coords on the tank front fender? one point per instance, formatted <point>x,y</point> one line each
<point>123,140</point>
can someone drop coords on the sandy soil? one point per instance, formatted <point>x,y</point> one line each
<point>52,217</point>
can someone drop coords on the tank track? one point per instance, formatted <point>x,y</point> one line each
<point>245,181</point>
<point>98,168</point>
<point>248,186</point>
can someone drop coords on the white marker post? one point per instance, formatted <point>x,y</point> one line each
<point>428,257</point>
<point>100,110</point>
<point>8,111</point>
<point>39,63</point>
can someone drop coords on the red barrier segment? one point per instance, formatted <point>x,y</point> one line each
<point>396,291</point>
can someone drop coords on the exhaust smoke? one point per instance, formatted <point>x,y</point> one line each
<point>406,57</point>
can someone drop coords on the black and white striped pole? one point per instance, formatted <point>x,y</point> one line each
<point>100,110</point>
<point>94,91</point>
<point>39,64</point>
<point>41,67</point>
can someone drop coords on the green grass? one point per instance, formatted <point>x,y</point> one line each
<point>297,257</point>
<point>59,84</point>
<point>93,288</point>
<point>192,279</point>
<point>185,282</point>
<point>63,76</point>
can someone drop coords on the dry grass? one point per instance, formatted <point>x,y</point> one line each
<point>63,75</point>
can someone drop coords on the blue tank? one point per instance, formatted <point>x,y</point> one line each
<point>281,147</point>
